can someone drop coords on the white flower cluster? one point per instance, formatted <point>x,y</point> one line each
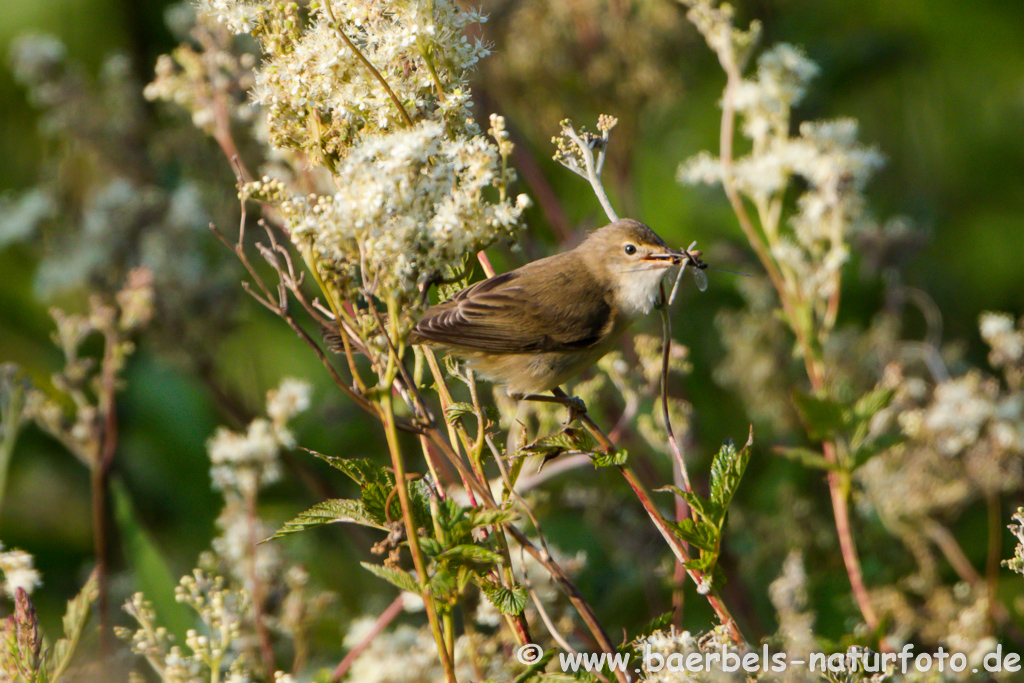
<point>377,93</point>
<point>409,655</point>
<point>965,439</point>
<point>660,645</point>
<point>825,154</point>
<point>18,568</point>
<point>219,651</point>
<point>408,203</point>
<point>1006,344</point>
<point>418,48</point>
<point>237,16</point>
<point>249,461</point>
<point>973,412</point>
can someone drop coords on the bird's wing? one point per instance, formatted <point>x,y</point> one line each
<point>517,312</point>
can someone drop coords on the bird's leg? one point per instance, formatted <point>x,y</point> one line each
<point>575,404</point>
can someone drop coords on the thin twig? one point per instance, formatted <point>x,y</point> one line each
<point>326,5</point>
<point>385,618</point>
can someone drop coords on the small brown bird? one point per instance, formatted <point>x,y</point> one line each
<point>535,327</point>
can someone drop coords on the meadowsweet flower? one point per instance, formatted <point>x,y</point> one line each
<point>288,400</point>
<point>245,460</point>
<point>408,203</point>
<point>810,248</point>
<point>19,571</point>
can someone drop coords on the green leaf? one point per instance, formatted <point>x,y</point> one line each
<point>872,402</point>
<point>727,470</point>
<point>656,624</point>
<point>59,657</point>
<point>396,577</point>
<point>532,672</point>
<point>457,410</point>
<point>806,456</point>
<point>823,417</point>
<point>703,509</point>
<point>616,459</point>
<point>431,546</point>
<point>869,450</point>
<point>486,517</point>
<point>570,439</point>
<point>362,471</point>
<point>329,512</point>
<point>376,496</point>
<point>471,553</point>
<point>444,586</point>
<point>702,563</point>
<point>148,567</point>
<point>699,534</point>
<point>506,600</point>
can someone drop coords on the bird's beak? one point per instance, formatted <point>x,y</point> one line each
<point>670,257</point>
<point>665,258</point>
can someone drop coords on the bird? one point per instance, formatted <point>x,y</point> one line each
<point>536,327</point>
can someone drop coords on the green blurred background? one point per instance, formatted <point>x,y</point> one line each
<point>937,86</point>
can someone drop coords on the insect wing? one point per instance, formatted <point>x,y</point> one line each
<point>700,278</point>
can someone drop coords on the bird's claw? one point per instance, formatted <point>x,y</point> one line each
<point>576,408</point>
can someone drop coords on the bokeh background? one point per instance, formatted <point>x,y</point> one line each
<point>937,86</point>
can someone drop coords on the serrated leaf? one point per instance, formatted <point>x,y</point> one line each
<point>872,402</point>
<point>569,439</point>
<point>59,657</point>
<point>727,470</point>
<point>616,459</point>
<point>375,497</point>
<point>362,471</point>
<point>702,563</point>
<point>471,553</point>
<point>419,501</point>
<point>396,577</point>
<point>823,417</point>
<point>457,410</point>
<point>533,671</point>
<point>655,624</point>
<point>330,512</point>
<point>431,546</point>
<point>506,600</point>
<point>444,585</point>
<point>703,509</point>
<point>806,457</point>
<point>699,534</point>
<point>487,517</point>
<point>882,443</point>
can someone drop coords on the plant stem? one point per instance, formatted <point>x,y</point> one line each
<point>838,486</point>
<point>326,5</point>
<point>411,531</point>
<point>593,174</point>
<point>681,553</point>
<point>805,340</point>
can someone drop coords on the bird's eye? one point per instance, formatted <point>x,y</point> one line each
<point>629,249</point>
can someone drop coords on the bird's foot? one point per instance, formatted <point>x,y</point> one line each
<point>576,407</point>
<point>575,404</point>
